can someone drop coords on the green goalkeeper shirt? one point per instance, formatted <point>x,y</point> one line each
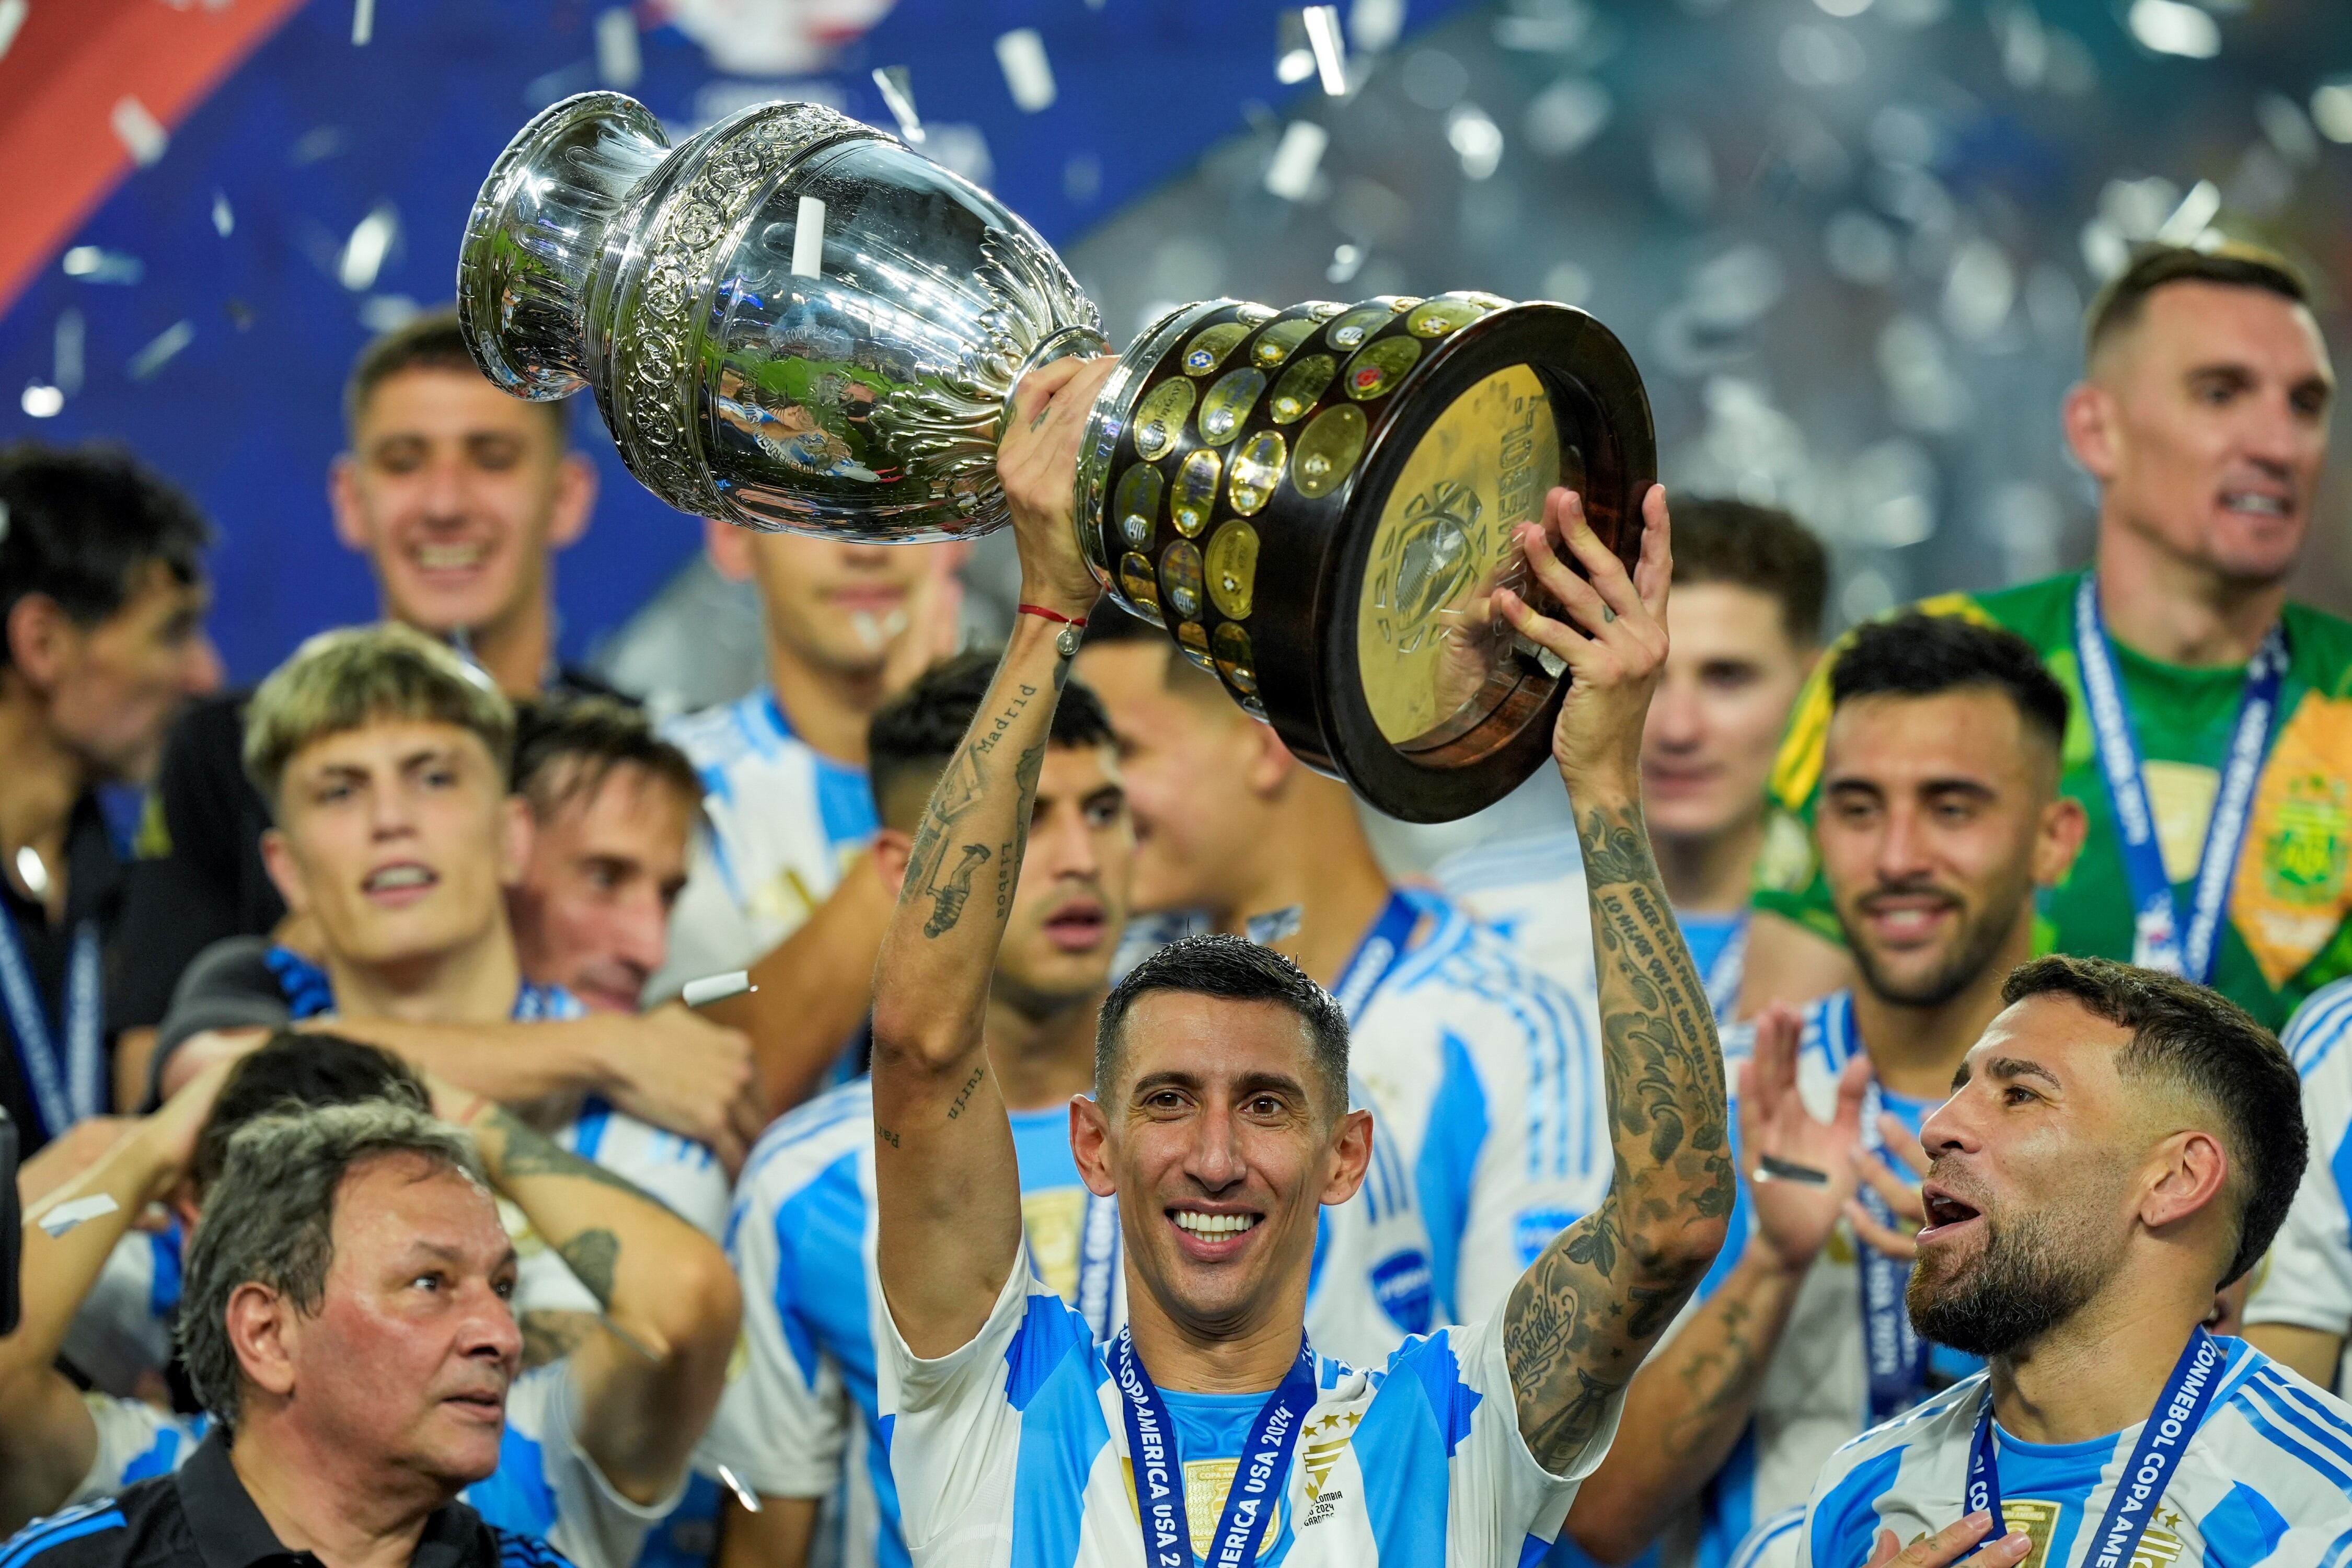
<point>2288,932</point>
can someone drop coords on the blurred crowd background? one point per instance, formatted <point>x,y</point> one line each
<point>1849,241</point>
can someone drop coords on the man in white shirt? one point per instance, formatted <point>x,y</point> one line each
<point>2119,1145</point>
<point>1485,1072</point>
<point>780,883</point>
<point>805,1410</point>
<point>1221,1123</point>
<point>2301,1310</point>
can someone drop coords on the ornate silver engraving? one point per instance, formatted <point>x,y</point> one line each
<point>947,433</point>
<point>657,345</point>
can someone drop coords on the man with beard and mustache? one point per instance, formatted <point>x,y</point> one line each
<point>1941,818</point>
<point>2208,700</point>
<point>2119,1145</point>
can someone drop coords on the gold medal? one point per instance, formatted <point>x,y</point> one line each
<point>1232,570</point>
<point>1229,403</point>
<point>1300,386</point>
<point>1436,318</point>
<point>1378,366</point>
<point>1180,576</point>
<point>1350,331</point>
<point>1159,417</point>
<point>1257,468</point>
<point>1328,449</point>
<point>1196,491</point>
<point>1210,346</point>
<point>1274,343</point>
<point>1137,505</point>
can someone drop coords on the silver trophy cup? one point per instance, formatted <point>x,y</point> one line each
<point>793,322</point>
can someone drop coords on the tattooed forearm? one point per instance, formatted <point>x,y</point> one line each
<point>593,1255</point>
<point>963,1095</point>
<point>1719,1379</point>
<point>527,1152</point>
<point>947,898</point>
<point>1580,1320</point>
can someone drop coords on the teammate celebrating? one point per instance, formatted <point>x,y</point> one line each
<point>2210,708</point>
<point>1940,817</point>
<point>1221,1124</point>
<point>802,1229</point>
<point>2118,1144</point>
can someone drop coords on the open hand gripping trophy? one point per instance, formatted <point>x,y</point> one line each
<point>793,322</point>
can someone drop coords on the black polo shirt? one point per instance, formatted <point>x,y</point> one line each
<point>93,893</point>
<point>204,1517</point>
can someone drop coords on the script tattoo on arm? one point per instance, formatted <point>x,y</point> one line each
<point>960,789</point>
<point>1580,1319</point>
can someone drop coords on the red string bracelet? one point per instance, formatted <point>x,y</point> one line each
<point>1040,610</point>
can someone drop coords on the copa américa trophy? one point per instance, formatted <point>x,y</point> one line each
<point>791,320</point>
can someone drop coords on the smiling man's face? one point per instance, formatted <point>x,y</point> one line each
<point>1223,1145</point>
<point>1932,827</point>
<point>456,493</point>
<point>2213,426</point>
<point>398,838</point>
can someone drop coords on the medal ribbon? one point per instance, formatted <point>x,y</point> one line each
<point>2162,938</point>
<point>67,1088</point>
<point>1257,1484</point>
<point>1897,1356</point>
<point>2179,1410</point>
<point>1377,956</point>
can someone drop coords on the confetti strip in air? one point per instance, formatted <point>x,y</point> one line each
<point>619,63</point>
<point>159,353</point>
<point>362,22</point>
<point>898,95</point>
<point>1330,49</point>
<point>1291,174</point>
<point>1028,72</point>
<point>79,1211</point>
<point>12,17</point>
<point>140,132</point>
<point>715,988</point>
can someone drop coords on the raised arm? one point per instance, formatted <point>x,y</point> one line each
<point>47,1437</point>
<point>648,1384</point>
<point>1580,1319</point>
<point>947,1193</point>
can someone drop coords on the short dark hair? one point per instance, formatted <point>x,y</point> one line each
<point>1757,547</point>
<point>2195,1039</point>
<point>296,1070</point>
<point>431,340</point>
<point>2119,304</point>
<point>566,747</point>
<point>1217,963</point>
<point>80,525</point>
<point>1916,655</point>
<point>914,736</point>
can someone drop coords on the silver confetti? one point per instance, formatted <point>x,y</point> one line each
<point>362,22</point>
<point>899,96</point>
<point>1021,54</point>
<point>1291,174</point>
<point>41,401</point>
<point>1773,1168</point>
<point>93,265</point>
<point>12,17</point>
<point>140,132</point>
<point>67,361</point>
<point>808,240</point>
<point>224,220</point>
<point>715,988</point>
<point>159,352</point>
<point>363,253</point>
<point>1330,51</point>
<point>619,62</point>
<point>1275,924</point>
<point>743,1494</point>
<point>66,1215</point>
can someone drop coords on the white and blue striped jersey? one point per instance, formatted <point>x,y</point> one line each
<point>545,1486</point>
<point>2307,1280</point>
<point>1815,1396</point>
<point>803,1410</point>
<point>1011,1453</point>
<point>2266,1479</point>
<point>781,821</point>
<point>1530,889</point>
<point>1488,1075</point>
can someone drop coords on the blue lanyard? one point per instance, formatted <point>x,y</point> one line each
<point>311,994</point>
<point>2161,937</point>
<point>1250,1502</point>
<point>1724,974</point>
<point>2179,1410</point>
<point>68,1087</point>
<point>1377,956</point>
<point>1097,1262</point>
<point>1892,1348</point>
